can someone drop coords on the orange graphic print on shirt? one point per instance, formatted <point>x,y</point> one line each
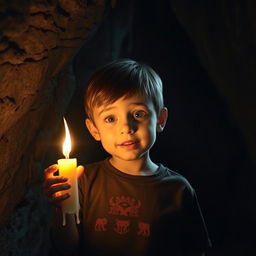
<point>100,224</point>
<point>122,226</point>
<point>144,229</point>
<point>124,206</point>
<point>128,209</point>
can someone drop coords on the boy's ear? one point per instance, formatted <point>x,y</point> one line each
<point>162,119</point>
<point>92,129</point>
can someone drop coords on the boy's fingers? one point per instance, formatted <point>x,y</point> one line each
<point>55,190</point>
<point>79,170</point>
<point>57,199</point>
<point>55,185</point>
<point>52,181</point>
<point>48,172</point>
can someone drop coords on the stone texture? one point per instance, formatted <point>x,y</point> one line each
<point>38,41</point>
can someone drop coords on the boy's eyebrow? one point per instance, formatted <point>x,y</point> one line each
<point>139,104</point>
<point>105,109</point>
<point>134,103</point>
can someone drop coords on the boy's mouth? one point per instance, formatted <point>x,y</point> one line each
<point>130,144</point>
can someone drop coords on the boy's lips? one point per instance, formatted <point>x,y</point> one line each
<point>129,144</point>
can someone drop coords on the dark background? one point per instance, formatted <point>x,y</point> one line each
<point>201,140</point>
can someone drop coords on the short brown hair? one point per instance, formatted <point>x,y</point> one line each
<point>123,77</point>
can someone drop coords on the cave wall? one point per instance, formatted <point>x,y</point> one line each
<point>38,41</point>
<point>203,52</point>
<point>223,36</point>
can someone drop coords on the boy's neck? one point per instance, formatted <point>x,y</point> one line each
<point>140,167</point>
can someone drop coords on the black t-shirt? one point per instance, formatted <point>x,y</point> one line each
<point>129,215</point>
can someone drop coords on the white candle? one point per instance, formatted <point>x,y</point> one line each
<point>67,168</point>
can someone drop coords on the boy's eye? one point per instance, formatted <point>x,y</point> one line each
<point>109,119</point>
<point>139,114</point>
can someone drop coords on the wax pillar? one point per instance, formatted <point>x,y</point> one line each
<point>67,168</point>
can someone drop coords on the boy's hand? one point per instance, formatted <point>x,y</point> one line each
<point>54,185</point>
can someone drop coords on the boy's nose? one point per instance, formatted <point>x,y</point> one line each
<point>128,126</point>
<point>126,129</point>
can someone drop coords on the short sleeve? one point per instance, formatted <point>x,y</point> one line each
<point>180,228</point>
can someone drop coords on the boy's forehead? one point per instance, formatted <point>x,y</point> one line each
<point>124,101</point>
<point>128,100</point>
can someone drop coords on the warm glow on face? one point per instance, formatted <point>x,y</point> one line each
<point>66,148</point>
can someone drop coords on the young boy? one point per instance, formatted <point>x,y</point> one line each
<point>129,204</point>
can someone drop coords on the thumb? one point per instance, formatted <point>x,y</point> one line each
<point>79,170</point>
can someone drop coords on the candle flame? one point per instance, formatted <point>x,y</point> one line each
<point>66,148</point>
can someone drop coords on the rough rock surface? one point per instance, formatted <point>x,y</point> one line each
<point>37,43</point>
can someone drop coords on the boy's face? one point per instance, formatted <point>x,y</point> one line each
<point>127,128</point>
